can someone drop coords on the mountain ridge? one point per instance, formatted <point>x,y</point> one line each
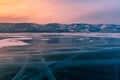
<point>58,28</point>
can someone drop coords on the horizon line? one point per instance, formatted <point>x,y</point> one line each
<point>57,23</point>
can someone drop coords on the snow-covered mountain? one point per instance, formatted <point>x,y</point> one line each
<point>55,27</point>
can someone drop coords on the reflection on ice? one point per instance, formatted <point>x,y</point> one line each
<point>13,42</point>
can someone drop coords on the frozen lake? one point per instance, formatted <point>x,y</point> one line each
<point>59,56</point>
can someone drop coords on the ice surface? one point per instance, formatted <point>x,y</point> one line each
<point>60,56</point>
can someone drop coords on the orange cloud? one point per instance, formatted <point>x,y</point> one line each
<point>12,8</point>
<point>34,10</point>
<point>8,2</point>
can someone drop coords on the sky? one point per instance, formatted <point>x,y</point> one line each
<point>60,11</point>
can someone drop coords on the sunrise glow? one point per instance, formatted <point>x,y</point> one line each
<point>61,11</point>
